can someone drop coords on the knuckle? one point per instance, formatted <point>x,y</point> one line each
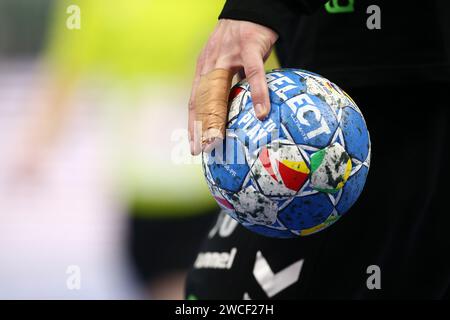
<point>228,41</point>
<point>257,98</point>
<point>252,71</point>
<point>246,36</point>
<point>213,42</point>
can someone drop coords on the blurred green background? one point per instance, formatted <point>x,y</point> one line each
<point>94,131</point>
<point>93,134</point>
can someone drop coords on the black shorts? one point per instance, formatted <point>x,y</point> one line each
<point>159,246</point>
<point>393,243</point>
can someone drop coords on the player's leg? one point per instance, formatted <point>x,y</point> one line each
<point>162,250</point>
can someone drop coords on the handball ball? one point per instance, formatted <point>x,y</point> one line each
<point>300,169</point>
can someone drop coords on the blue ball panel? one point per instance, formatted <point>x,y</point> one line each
<point>269,232</point>
<point>355,134</point>
<point>306,212</point>
<point>352,189</point>
<point>230,167</point>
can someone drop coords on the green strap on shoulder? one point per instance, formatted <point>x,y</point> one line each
<point>333,6</point>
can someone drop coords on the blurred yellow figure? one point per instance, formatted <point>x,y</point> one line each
<point>146,50</point>
<point>136,59</point>
<point>133,38</point>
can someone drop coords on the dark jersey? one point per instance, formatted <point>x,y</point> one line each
<point>394,242</point>
<point>360,42</point>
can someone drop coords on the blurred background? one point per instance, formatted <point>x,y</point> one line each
<point>99,197</point>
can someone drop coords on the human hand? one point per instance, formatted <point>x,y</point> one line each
<point>235,46</point>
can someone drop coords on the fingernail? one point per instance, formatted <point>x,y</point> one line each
<point>196,148</point>
<point>260,111</point>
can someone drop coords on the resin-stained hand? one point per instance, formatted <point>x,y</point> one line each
<point>235,46</point>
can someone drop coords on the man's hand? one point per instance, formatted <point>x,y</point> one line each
<point>234,46</point>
